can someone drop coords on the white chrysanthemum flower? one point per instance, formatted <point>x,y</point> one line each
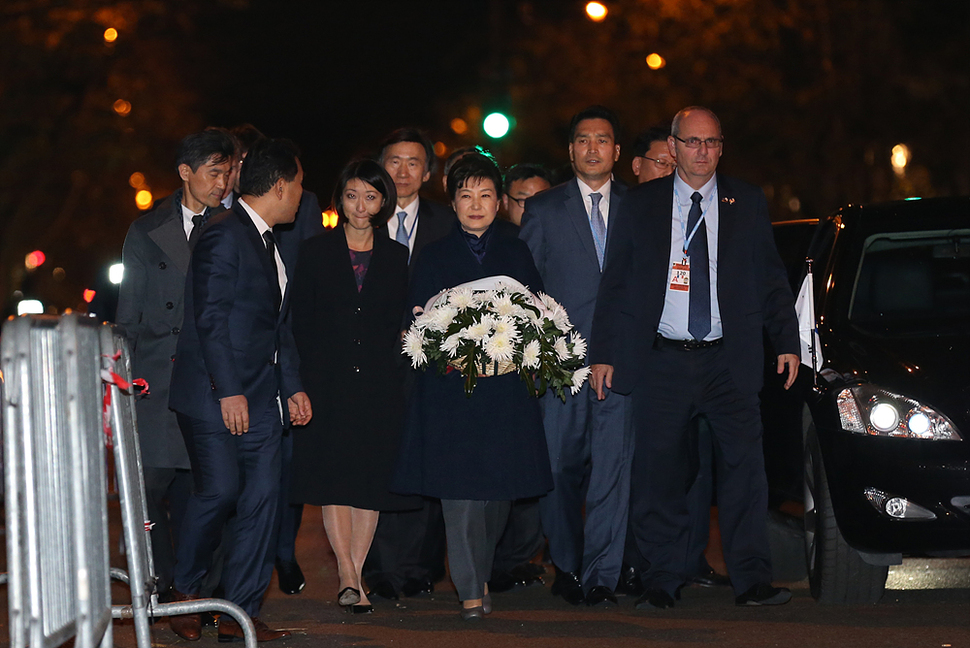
<point>548,303</point>
<point>441,318</point>
<point>579,377</point>
<point>478,331</point>
<point>561,319</point>
<point>530,355</point>
<point>579,344</point>
<point>499,348</point>
<point>450,345</point>
<point>507,326</point>
<point>502,306</point>
<point>484,297</point>
<point>562,351</point>
<point>461,298</point>
<point>414,347</point>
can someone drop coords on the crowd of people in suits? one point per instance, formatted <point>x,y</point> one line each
<point>273,351</point>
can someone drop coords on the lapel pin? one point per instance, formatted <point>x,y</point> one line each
<point>730,201</point>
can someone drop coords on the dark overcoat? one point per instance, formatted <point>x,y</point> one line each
<point>489,446</point>
<point>349,346</point>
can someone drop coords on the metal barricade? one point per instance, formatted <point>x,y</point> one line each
<point>56,505</point>
<point>116,371</point>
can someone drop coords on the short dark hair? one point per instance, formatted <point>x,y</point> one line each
<point>473,166</point>
<point>214,144</point>
<point>268,161</point>
<point>373,174</point>
<point>247,134</point>
<point>457,154</point>
<point>411,135</point>
<point>595,112</point>
<point>645,140</point>
<point>525,171</point>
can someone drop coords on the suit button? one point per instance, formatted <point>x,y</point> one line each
<point>175,330</point>
<point>169,305</point>
<point>162,265</point>
<point>358,310</point>
<point>356,369</point>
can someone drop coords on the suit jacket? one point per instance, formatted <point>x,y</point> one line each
<point>752,286</point>
<point>150,308</point>
<point>435,221</point>
<point>556,228</point>
<point>235,339</point>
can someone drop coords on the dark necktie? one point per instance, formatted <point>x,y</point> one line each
<point>271,251</point>
<point>699,317</point>
<point>599,226</point>
<point>197,222</point>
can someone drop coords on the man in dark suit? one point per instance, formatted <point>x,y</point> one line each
<point>691,283</point>
<point>570,230</point>
<point>150,308</point>
<point>289,236</point>
<point>408,552</point>
<point>236,376</point>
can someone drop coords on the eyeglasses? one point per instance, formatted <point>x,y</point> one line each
<point>695,142</point>
<point>661,164</point>
<point>519,201</point>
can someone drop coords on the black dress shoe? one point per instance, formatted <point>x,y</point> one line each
<point>764,594</point>
<point>630,583</point>
<point>360,609</point>
<point>501,581</point>
<point>384,589</point>
<point>709,578</point>
<point>526,574</point>
<point>600,594</point>
<point>290,577</point>
<point>567,586</point>
<point>654,598</point>
<point>415,586</point>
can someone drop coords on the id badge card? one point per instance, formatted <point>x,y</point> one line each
<point>680,276</point>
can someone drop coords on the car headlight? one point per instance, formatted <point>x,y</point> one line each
<point>867,409</point>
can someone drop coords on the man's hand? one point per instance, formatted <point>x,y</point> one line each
<point>235,413</point>
<point>601,376</point>
<point>299,406</point>
<point>792,361</point>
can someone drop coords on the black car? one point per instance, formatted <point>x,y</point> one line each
<point>887,444</point>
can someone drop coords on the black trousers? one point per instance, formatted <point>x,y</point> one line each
<point>166,491</point>
<point>676,386</point>
<point>522,539</point>
<point>408,545</point>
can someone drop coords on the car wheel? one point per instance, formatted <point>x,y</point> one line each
<point>837,573</point>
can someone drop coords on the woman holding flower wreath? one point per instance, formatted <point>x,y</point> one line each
<point>349,299</point>
<point>478,451</point>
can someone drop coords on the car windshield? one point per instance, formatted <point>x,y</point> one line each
<point>914,283</point>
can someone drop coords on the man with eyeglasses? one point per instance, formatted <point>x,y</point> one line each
<point>651,158</point>
<point>521,182</point>
<point>690,283</point>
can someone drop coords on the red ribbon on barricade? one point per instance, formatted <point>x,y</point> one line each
<point>109,377</point>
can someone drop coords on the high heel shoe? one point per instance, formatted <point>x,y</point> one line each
<point>348,596</point>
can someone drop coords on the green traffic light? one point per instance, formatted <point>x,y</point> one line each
<point>496,125</point>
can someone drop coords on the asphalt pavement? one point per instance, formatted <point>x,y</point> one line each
<point>928,605</point>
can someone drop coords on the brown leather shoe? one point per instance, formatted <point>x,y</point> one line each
<point>229,630</point>
<point>187,626</point>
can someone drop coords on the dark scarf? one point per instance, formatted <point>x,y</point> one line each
<point>478,244</point>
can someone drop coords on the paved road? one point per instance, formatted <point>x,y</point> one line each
<point>916,612</point>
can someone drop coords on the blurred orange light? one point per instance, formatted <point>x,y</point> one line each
<point>596,11</point>
<point>88,295</point>
<point>110,35</point>
<point>136,180</point>
<point>440,149</point>
<point>122,107</point>
<point>35,259</point>
<point>459,125</point>
<point>330,219</point>
<point>143,199</point>
<point>655,61</point>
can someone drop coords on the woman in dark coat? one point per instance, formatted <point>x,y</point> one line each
<point>479,453</point>
<point>349,294</point>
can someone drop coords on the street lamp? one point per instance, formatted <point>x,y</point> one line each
<point>596,11</point>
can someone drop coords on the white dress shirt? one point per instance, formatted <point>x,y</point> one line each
<point>585,191</point>
<point>187,223</point>
<point>410,223</point>
<point>263,228</point>
<point>673,320</point>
